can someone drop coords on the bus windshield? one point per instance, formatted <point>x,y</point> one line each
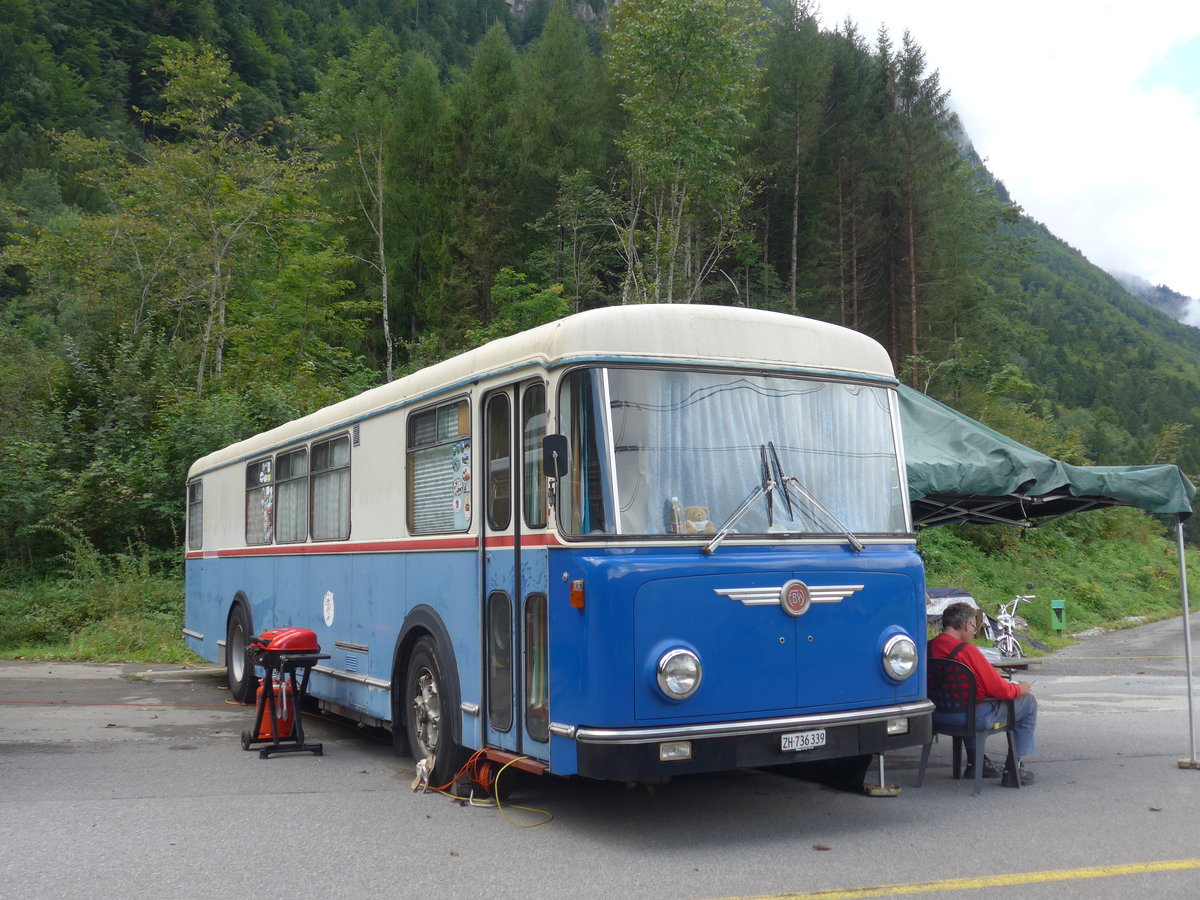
<point>675,452</point>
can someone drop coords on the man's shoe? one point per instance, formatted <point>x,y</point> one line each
<point>990,769</point>
<point>1025,775</point>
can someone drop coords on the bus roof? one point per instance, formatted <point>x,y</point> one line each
<point>675,333</point>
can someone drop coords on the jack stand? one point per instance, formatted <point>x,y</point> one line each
<point>883,789</point>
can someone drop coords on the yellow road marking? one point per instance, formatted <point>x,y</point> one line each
<point>1069,658</point>
<point>986,881</point>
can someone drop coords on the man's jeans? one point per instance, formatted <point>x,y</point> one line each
<point>989,712</point>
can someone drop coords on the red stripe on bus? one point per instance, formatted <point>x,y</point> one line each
<point>503,541</point>
<point>463,543</point>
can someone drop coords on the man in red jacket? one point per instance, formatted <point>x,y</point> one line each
<point>958,630</point>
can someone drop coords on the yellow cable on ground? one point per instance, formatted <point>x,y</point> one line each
<point>549,816</point>
<point>495,801</point>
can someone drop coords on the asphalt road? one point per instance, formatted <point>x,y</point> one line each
<point>130,782</point>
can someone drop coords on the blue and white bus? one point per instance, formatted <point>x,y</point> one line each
<point>637,542</point>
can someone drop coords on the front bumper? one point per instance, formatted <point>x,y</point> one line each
<point>630,754</point>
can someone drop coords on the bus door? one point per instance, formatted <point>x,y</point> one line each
<point>516,663</point>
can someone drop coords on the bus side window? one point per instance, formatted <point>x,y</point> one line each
<point>582,503</point>
<point>439,469</point>
<point>533,429</point>
<point>291,496</point>
<point>499,466</point>
<point>195,515</point>
<point>331,489</point>
<point>260,502</point>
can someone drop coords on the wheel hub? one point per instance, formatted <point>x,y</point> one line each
<point>427,706</point>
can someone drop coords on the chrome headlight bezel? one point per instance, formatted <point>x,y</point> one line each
<point>678,673</point>
<point>900,657</point>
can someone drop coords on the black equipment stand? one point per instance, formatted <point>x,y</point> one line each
<point>285,665</point>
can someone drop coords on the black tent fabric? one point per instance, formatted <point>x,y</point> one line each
<point>959,470</point>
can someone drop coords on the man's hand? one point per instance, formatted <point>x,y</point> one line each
<point>1026,688</point>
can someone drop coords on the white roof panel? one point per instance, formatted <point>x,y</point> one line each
<point>679,333</point>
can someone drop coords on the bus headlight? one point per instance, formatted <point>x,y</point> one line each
<point>679,673</point>
<point>899,657</point>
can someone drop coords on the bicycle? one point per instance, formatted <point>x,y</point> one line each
<point>1006,641</point>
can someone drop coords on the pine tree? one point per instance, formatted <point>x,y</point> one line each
<point>354,111</point>
<point>792,115</point>
<point>478,183</point>
<point>686,73</point>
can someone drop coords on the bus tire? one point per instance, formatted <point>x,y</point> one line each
<point>428,715</point>
<point>239,667</point>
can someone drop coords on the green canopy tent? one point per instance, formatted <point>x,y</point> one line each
<point>959,470</point>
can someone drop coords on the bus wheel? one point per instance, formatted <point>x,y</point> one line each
<point>239,670</point>
<point>428,715</point>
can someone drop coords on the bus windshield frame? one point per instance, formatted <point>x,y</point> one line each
<point>662,453</point>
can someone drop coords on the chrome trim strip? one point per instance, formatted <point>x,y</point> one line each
<point>187,632</point>
<point>833,593</point>
<point>353,648</point>
<point>560,730</point>
<point>769,596</point>
<point>471,709</point>
<point>375,683</point>
<point>754,726</point>
<point>747,540</point>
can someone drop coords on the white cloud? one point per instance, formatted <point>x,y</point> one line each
<point>1056,97</point>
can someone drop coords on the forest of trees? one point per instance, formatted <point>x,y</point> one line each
<point>216,216</point>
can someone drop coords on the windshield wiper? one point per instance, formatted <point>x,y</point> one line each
<point>766,486</point>
<point>772,479</point>
<point>851,538</point>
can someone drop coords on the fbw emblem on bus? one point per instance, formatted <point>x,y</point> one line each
<point>794,599</point>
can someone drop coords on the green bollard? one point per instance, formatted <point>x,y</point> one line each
<point>1058,614</point>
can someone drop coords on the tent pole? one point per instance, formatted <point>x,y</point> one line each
<point>1190,763</point>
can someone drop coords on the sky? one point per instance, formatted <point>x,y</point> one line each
<point>1089,112</point>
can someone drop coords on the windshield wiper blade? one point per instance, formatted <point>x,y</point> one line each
<point>767,486</point>
<point>780,479</point>
<point>808,495</point>
<point>769,459</point>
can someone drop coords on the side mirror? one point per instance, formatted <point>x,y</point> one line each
<point>554,455</point>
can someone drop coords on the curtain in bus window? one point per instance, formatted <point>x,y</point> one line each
<point>331,489</point>
<point>439,469</point>
<point>705,432</point>
<point>291,496</point>
<point>260,502</point>
<point>701,443</point>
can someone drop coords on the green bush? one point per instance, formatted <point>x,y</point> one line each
<point>1108,566</point>
<point>122,607</point>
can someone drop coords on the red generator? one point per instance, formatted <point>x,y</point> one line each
<point>282,716</point>
<point>286,656</point>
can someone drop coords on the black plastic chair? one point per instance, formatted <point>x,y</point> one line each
<point>952,690</point>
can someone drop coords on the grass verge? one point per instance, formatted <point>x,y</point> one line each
<point>122,608</point>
